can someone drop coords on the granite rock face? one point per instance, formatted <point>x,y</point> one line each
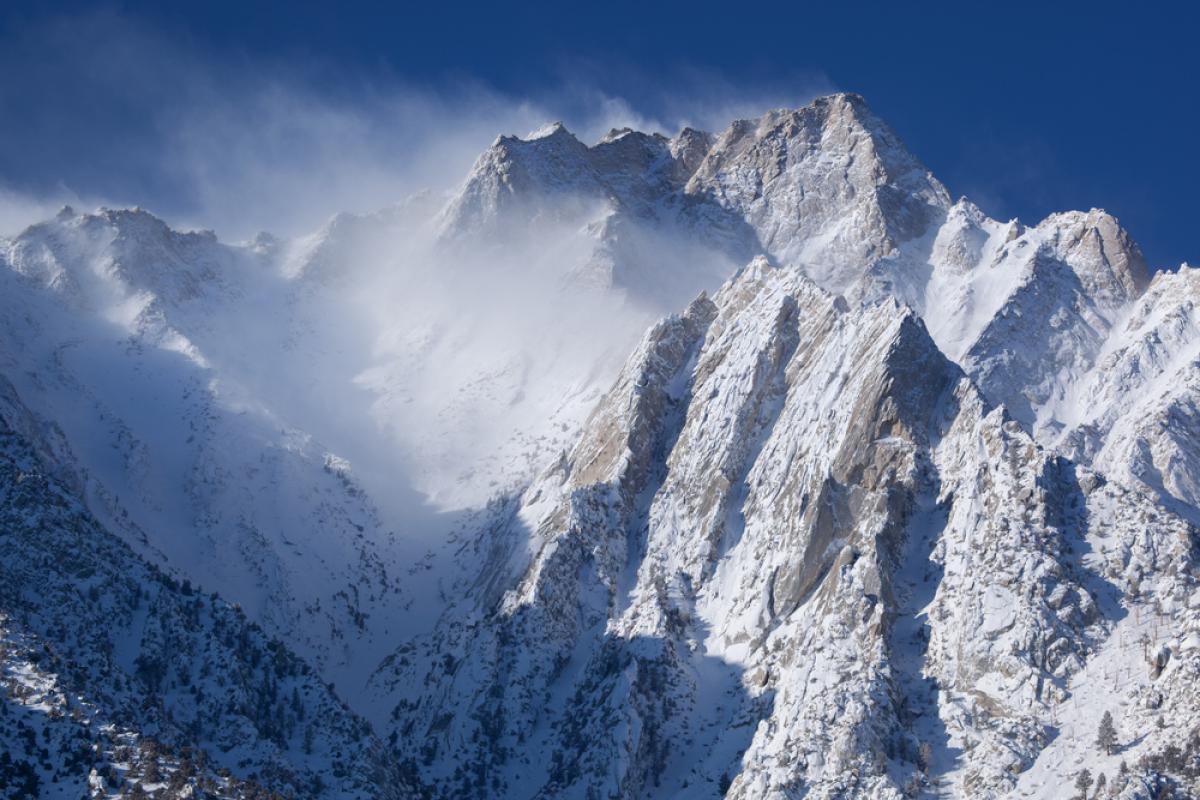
<point>795,550</point>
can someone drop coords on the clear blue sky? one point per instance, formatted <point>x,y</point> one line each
<point>1027,108</point>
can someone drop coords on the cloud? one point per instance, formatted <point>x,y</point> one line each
<point>111,108</point>
<point>19,210</point>
<point>684,95</point>
<point>468,364</point>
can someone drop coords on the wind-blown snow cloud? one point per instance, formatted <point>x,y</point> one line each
<point>469,363</point>
<point>18,210</point>
<point>238,143</point>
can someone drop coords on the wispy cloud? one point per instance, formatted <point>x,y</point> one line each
<point>109,108</point>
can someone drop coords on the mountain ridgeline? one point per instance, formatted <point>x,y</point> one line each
<point>745,464</point>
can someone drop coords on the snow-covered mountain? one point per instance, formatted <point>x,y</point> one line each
<point>132,339</point>
<point>901,503</point>
<point>795,551</point>
<point>118,678</point>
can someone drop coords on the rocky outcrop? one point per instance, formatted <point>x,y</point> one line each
<point>795,550</point>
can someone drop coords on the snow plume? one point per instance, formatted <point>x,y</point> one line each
<point>225,140</point>
<point>18,210</point>
<point>238,143</point>
<point>461,367</point>
<point>685,96</point>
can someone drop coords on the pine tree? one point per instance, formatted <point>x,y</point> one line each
<point>1083,782</point>
<point>1107,737</point>
<point>924,756</point>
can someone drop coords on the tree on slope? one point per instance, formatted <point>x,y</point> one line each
<point>1106,739</point>
<point>1083,782</point>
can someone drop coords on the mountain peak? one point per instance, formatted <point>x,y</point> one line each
<point>552,135</point>
<point>550,130</point>
<point>827,187</point>
<point>615,134</point>
<point>1103,251</point>
<point>845,103</point>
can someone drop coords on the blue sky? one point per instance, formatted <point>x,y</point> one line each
<point>239,114</point>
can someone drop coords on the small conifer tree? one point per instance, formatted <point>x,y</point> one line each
<point>1083,782</point>
<point>1106,739</point>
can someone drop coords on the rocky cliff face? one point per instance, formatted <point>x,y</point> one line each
<point>1133,414</point>
<point>794,551</point>
<point>828,187</point>
<point>793,510</point>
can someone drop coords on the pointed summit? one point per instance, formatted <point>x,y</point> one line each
<point>615,133</point>
<point>1106,258</point>
<point>828,187</point>
<point>548,131</point>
